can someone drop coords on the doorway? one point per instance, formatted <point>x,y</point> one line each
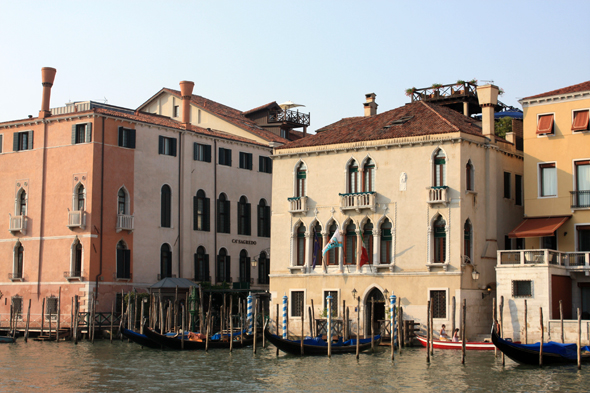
<point>377,297</point>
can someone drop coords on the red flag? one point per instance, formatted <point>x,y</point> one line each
<point>364,253</point>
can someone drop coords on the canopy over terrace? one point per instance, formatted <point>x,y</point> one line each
<point>538,227</point>
<point>168,286</point>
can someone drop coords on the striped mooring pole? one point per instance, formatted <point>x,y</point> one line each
<point>249,314</point>
<point>285,317</point>
<point>393,325</point>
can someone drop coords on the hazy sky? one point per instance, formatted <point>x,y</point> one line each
<point>323,54</point>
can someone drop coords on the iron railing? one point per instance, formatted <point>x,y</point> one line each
<point>580,199</point>
<point>289,116</point>
<point>573,260</point>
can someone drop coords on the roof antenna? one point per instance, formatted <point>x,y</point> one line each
<point>106,101</point>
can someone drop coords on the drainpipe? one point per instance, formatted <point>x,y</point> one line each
<point>101,209</point>
<point>214,205</point>
<point>180,203</point>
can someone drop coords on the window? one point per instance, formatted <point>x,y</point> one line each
<point>81,133</point>
<point>368,240</point>
<point>167,146</point>
<point>440,240</point>
<point>263,269</point>
<point>165,261</point>
<point>166,204</point>
<point>333,255</point>
<point>245,266</point>
<point>300,245</point>
<point>127,137</point>
<point>201,265</point>
<point>581,193</point>
<point>467,241</point>
<point>245,160</point>
<point>1,140</point>
<point>80,197</point>
<point>123,261</point>
<point>244,217</point>
<point>202,152</point>
<point>469,176</point>
<point>297,299</point>
<point>440,174</point>
<point>507,243</point>
<point>522,288</point>
<point>386,240</point>
<point>223,266</point>
<point>549,242</point>
<point>583,232</point>
<point>223,214</point>
<point>333,303</point>
<point>580,122</point>
<point>122,201</point>
<point>507,193</point>
<point>350,245</point>
<point>19,253</point>
<point>263,219</point>
<point>439,304</point>
<point>201,213</point>
<point>353,178</point>
<point>518,190</point>
<point>224,156</point>
<point>545,124</point>
<point>22,204</point>
<point>22,141</point>
<point>17,305</point>
<point>176,111</point>
<point>548,179</point>
<point>520,244</point>
<point>318,244</point>
<point>50,306</point>
<point>369,176</point>
<point>77,260</point>
<point>264,164</point>
<point>284,134</point>
<point>301,180</point>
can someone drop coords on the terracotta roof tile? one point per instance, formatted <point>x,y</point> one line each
<point>584,86</point>
<point>414,119</point>
<point>266,106</point>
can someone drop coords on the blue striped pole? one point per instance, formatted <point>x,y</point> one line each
<point>393,325</point>
<point>329,331</point>
<point>285,317</point>
<point>249,314</point>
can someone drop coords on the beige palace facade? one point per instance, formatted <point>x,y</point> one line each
<point>422,186</point>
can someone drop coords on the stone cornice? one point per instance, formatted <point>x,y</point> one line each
<point>580,95</point>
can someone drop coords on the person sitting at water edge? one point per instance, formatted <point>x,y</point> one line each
<point>456,335</point>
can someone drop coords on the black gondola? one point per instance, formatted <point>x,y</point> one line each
<point>318,346</point>
<point>553,353</point>
<point>139,338</point>
<point>175,342</point>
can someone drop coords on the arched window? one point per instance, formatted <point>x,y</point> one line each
<point>122,202</point>
<point>300,245</point>
<point>350,245</point>
<point>263,219</point>
<point>22,204</point>
<point>368,240</point>
<point>386,241</point>
<point>333,255</point>
<point>467,234</point>
<point>245,267</point>
<point>165,261</point>
<point>440,240</point>
<point>318,245</point>
<point>166,213</point>
<point>263,269</point>
<point>202,265</point>
<point>469,179</point>
<point>223,211</point>
<point>123,261</point>
<point>77,260</point>
<point>19,253</point>
<point>80,198</point>
<point>223,267</point>
<point>353,178</point>
<point>369,176</point>
<point>440,175</point>
<point>244,216</point>
<point>201,212</point>
<point>301,180</point>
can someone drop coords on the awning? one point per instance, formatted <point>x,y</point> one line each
<point>538,227</point>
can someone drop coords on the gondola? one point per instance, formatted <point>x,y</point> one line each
<point>553,353</point>
<point>139,338</point>
<point>441,344</point>
<point>7,339</point>
<point>215,342</point>
<point>317,346</point>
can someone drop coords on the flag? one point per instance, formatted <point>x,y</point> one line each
<point>335,241</point>
<point>316,248</point>
<point>364,253</point>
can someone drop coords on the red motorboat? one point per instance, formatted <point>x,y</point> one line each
<point>439,344</point>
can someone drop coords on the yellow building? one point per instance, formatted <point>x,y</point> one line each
<point>421,186</point>
<point>553,264</point>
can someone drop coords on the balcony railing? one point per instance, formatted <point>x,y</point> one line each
<point>124,222</point>
<point>73,274</point>
<point>302,119</point>
<point>438,194</point>
<point>15,276</point>
<point>357,201</point>
<point>76,219</point>
<point>444,91</point>
<point>572,260</point>
<point>298,204</point>
<point>580,199</point>
<point>17,224</point>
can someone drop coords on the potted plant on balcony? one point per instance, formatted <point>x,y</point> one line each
<point>473,81</point>
<point>435,90</point>
<point>460,87</point>
<point>410,91</point>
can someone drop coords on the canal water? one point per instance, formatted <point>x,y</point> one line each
<point>126,367</point>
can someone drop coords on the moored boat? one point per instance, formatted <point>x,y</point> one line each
<point>140,339</point>
<point>7,339</point>
<point>197,342</point>
<point>317,346</point>
<point>471,345</point>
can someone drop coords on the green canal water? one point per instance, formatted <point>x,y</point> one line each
<point>126,367</point>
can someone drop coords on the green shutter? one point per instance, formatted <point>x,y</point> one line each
<point>206,220</point>
<point>248,220</point>
<point>301,175</point>
<point>88,133</point>
<point>73,134</point>
<point>267,221</point>
<point>173,146</point>
<point>160,144</point>
<point>386,235</point>
<point>30,140</point>
<point>15,141</point>
<point>195,213</point>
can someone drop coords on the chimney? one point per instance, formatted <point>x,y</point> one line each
<point>47,77</point>
<point>370,105</point>
<point>186,92</point>
<point>488,99</point>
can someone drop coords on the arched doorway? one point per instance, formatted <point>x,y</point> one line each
<point>379,310</point>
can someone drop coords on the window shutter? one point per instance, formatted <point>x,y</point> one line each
<point>240,223</point>
<point>269,170</point>
<point>227,217</point>
<point>260,165</point>
<point>228,268</point>
<point>206,221</point>
<point>267,221</point>
<point>88,132</point>
<point>160,144</point>
<point>228,157</point>
<point>73,134</point>
<point>120,263</point>
<point>195,213</point>
<point>260,220</point>
<point>248,228</point>
<point>131,138</point>
<point>15,141</point>
<point>197,268</point>
<point>218,218</point>
<point>173,146</point>
<point>1,136</point>
<point>206,268</point>
<point>120,136</point>
<point>30,140</point>
<point>127,263</point>
<point>221,159</point>
<point>207,153</point>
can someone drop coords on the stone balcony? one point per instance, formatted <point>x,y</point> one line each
<point>124,223</point>
<point>438,195</point>
<point>358,201</point>
<point>298,204</point>
<point>573,261</point>
<point>17,224</point>
<point>76,219</point>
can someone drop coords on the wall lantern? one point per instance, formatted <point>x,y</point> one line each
<point>354,293</point>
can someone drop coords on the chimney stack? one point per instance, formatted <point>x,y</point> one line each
<point>47,77</point>
<point>370,105</point>
<point>186,92</point>
<point>488,99</point>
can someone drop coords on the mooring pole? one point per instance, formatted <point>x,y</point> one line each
<point>561,320</point>
<point>525,324</point>
<point>542,337</point>
<point>464,333</point>
<point>579,349</point>
<point>392,322</point>
<point>358,326</point>
<point>428,332</point>
<point>329,332</point>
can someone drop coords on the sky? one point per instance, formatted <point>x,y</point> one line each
<point>324,54</point>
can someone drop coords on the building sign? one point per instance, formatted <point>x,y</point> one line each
<point>238,241</point>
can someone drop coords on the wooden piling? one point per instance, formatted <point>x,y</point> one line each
<point>182,326</point>
<point>315,326</point>
<point>579,349</point>
<point>392,330</point>
<point>302,326</point>
<point>329,330</point>
<point>76,313</point>
<point>71,319</point>
<point>231,325</point>
<point>122,323</point>
<point>453,307</point>
<point>371,325</point>
<point>428,332</point>
<point>112,318</point>
<point>207,332</point>
<point>42,316</point>
<point>277,318</point>
<point>201,313</point>
<point>495,322</point>
<point>347,324</point>
<point>463,332</point>
<point>175,314</point>
<point>502,326</point>
<point>28,321</point>
<point>358,326</point>
<point>344,319</point>
<point>561,320</point>
<point>310,323</point>
<point>58,315</point>
<point>542,337</point>
<point>525,323</point>
<point>140,318</point>
<point>431,328</point>
<point>400,318</point>
<point>264,324</point>
<point>135,310</point>
<point>255,324</point>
